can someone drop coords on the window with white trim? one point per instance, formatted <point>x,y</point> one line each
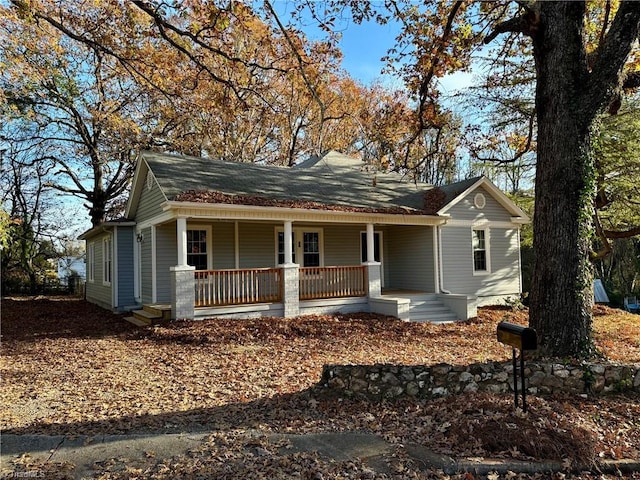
<point>480,239</point>
<point>106,260</point>
<point>311,249</point>
<point>281,247</point>
<point>197,249</point>
<point>306,244</point>
<point>91,262</point>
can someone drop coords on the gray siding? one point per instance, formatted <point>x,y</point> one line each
<point>126,243</point>
<point>342,245</point>
<point>149,203</point>
<point>457,260</point>
<point>145,267</point>
<point>410,258</point>
<point>223,245</point>
<point>257,245</point>
<point>96,291</point>
<point>505,262</point>
<point>166,257</point>
<point>466,210</point>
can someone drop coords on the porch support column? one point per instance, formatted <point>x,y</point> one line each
<point>291,290</point>
<point>288,230</point>
<point>290,276</point>
<point>181,228</point>
<point>436,258</point>
<point>374,271</point>
<point>370,244</point>
<point>183,292</point>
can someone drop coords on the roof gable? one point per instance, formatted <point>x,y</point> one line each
<point>456,192</point>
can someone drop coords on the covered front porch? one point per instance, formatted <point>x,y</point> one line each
<point>312,262</point>
<point>287,289</point>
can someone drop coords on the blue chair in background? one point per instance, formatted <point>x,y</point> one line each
<point>631,304</point>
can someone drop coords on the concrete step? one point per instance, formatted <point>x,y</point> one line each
<point>429,309</point>
<point>435,318</point>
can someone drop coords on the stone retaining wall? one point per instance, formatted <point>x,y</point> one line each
<point>385,381</point>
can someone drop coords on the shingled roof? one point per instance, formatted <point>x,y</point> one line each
<point>330,180</point>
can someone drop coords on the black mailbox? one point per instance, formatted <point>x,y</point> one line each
<point>522,338</point>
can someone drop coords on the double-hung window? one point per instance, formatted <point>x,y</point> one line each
<point>107,262</point>
<point>197,249</point>
<point>311,249</point>
<point>281,248</point>
<point>480,239</point>
<point>91,262</point>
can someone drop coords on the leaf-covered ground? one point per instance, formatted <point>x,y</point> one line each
<point>69,367</point>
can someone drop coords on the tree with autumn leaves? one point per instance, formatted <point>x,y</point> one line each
<point>236,82</point>
<point>584,56</point>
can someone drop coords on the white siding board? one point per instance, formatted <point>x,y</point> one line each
<point>504,263</point>
<point>150,203</point>
<point>457,260</point>
<point>457,264</point>
<point>492,211</point>
<point>409,261</point>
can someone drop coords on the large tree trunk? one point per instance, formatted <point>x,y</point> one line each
<point>561,291</point>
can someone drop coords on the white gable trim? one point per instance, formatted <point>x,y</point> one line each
<point>496,193</point>
<point>482,223</point>
<point>139,183</point>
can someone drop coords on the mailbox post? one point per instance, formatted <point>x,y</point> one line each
<point>521,338</point>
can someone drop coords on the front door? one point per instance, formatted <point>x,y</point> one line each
<point>306,247</point>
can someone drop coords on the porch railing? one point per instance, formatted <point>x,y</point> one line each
<point>235,287</point>
<point>332,282</point>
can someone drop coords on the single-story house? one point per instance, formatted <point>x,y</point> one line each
<point>204,238</point>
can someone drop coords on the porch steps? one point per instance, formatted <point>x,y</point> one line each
<point>150,315</point>
<point>427,308</point>
<point>138,323</point>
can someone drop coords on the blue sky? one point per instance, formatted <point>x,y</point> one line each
<point>364,45</point>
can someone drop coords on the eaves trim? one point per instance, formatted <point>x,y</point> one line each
<point>250,212</point>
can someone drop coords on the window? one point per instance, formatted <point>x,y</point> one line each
<point>306,246</point>
<point>480,251</point>
<point>106,260</point>
<point>91,262</point>
<point>197,249</point>
<point>311,249</point>
<point>281,248</point>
